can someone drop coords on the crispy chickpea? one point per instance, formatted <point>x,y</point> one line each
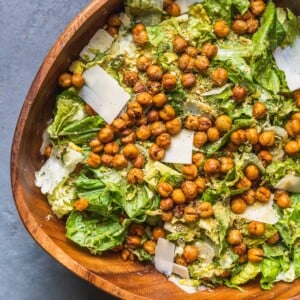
<point>156,152</point>
<point>154,87</point>
<point>137,229</point>
<point>252,172</point>
<point>179,44</point>
<point>135,175</point>
<point>143,62</point>
<point>265,157</point>
<point>234,237</point>
<point>257,7</point>
<point>141,121</point>
<point>191,51</point>
<point>154,72</point>
<point>94,160</point>
<point>134,110</point>
<point>130,138</point>
<point>112,30</point>
<point>111,148</point>
<point>174,126</point>
<point>202,63</point>
<point>114,20</point>
<point>163,140</point>
<point>205,210</point>
<point>252,136</point>
<point>166,3</point>
<point>125,254</point>
<point>133,241</point>
<point>231,147</point>
<point>169,81</point>
<point>239,27</point>
<point>243,258</point>
<point>200,138</point>
<point>152,116</point>
<point>212,166</point>
<point>204,123</point>
<point>223,123</point>
<point>293,127</point>
<point>227,164</point>
<point>150,246</point>
<point>282,199</point>
<point>198,159</point>
<point>96,145</point>
<point>130,78</point>
<point>296,116</point>
<point>166,204</point>
<point>267,138</point>
<point>190,189</point>
<point>178,196</point>
<point>180,261</point>
<point>128,120</point>
<point>192,122</point>
<point>240,249</point>
<point>249,196</point>
<point>119,162</point>
<point>190,253</point>
<point>139,87</point>
<point>262,194</point>
<point>188,80</point>
<point>186,63</point>
<point>190,214</point>
<point>143,133</point>
<point>65,80</point>
<point>81,204</point>
<point>144,98</point>
<point>219,76</point>
<point>190,172</point>
<point>201,184</point>
<point>173,10</point>
<point>119,124</point>
<point>131,151</point>
<point>296,95</point>
<point>255,255</point>
<point>273,239</point>
<point>291,148</point>
<point>256,228</point>
<point>221,29</point>
<point>159,100</point>
<point>238,137</point>
<point>246,16</point>
<point>166,216</point>
<point>213,134</point>
<point>209,50</point>
<point>48,150</point>
<point>238,205</point>
<point>243,183</point>
<point>259,110</point>
<point>157,128</point>
<point>77,80</point>
<point>89,110</point>
<point>158,232</point>
<point>252,25</point>
<point>107,160</point>
<point>239,93</point>
<point>167,113</point>
<point>139,161</point>
<point>140,36</point>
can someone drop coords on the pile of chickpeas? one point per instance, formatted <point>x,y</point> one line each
<point>149,117</point>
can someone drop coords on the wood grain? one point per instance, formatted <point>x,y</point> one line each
<point>127,280</point>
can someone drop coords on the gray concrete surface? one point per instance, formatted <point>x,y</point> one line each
<point>28,28</point>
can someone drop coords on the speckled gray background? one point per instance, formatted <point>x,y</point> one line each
<point>28,28</point>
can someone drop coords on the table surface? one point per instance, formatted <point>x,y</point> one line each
<point>27,31</point>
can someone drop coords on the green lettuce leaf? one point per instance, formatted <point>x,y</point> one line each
<point>270,268</point>
<point>248,272</point>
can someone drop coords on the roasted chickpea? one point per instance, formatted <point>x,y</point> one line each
<point>96,145</point>
<point>89,110</point>
<point>144,98</point>
<point>243,258</point>
<point>156,152</point>
<point>111,148</point>
<point>213,134</point>
<point>252,25</point>
<point>221,29</point>
<point>296,116</point>
<point>159,100</point>
<point>150,246</point>
<point>190,253</point>
<point>265,157</point>
<point>209,50</point>
<point>173,10</point>
<point>246,16</point>
<point>259,110</point>
<point>252,136</point>
<point>179,44</point>
<point>133,241</point>
<point>257,7</point>
<point>191,51</point>
<point>112,30</point>
<point>256,228</point>
<point>48,150</point>
<point>152,116</point>
<point>166,204</point>
<point>239,27</point>
<point>293,127</point>
<point>192,122</point>
<point>134,110</point>
<point>135,175</point>
<point>140,36</point>
<point>240,249</point>
<point>282,199</point>
<point>186,63</point>
<point>65,80</point>
<point>128,120</point>
<point>262,194</point>
<point>139,161</point>
<point>249,196</point>
<point>291,148</point>
<point>130,78</point>
<point>190,214</point>
<point>204,123</point>
<point>143,133</point>
<point>154,72</point>
<point>166,216</point>
<point>169,81</point>
<point>119,162</point>
<point>231,147</point>
<point>223,123</point>
<point>106,134</point>
<point>255,255</point>
<point>157,128</point>
<point>77,80</point>
<point>202,63</point>
<point>267,138</point>
<point>238,137</point>
<point>219,76</point>
<point>178,196</point>
<point>239,93</point>
<point>227,164</point>
<point>118,124</point>
<point>129,138</point>
<point>212,166</point>
<point>190,172</point>
<point>205,210</point>
<point>158,232</point>
<point>107,160</point>
<point>164,140</point>
<point>244,182</point>
<point>141,121</point>
<point>201,184</point>
<point>234,237</point>
<point>94,160</point>
<point>252,172</point>
<point>166,3</point>
<point>200,138</point>
<point>174,126</point>
<point>167,113</point>
<point>273,239</point>
<point>154,87</point>
<point>188,80</point>
<point>81,204</point>
<point>190,189</point>
<point>238,205</point>
<point>137,229</point>
<point>114,20</point>
<point>198,159</point>
<point>130,151</point>
<point>296,95</point>
<point>180,261</point>
<point>143,62</point>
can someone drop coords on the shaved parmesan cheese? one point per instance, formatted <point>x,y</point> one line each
<point>185,4</point>
<point>261,212</point>
<point>164,256</point>
<point>206,251</point>
<point>181,148</point>
<point>101,41</point>
<point>180,270</point>
<point>217,91</point>
<point>103,93</point>
<point>187,288</point>
<point>290,183</point>
<point>287,60</point>
<point>125,19</point>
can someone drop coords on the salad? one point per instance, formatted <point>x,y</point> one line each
<point>175,140</point>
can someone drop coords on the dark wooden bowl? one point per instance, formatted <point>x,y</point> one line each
<point>127,280</point>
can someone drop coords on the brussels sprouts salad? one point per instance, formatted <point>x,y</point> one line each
<point>175,140</point>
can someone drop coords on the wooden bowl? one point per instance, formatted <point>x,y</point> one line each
<point>129,280</point>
